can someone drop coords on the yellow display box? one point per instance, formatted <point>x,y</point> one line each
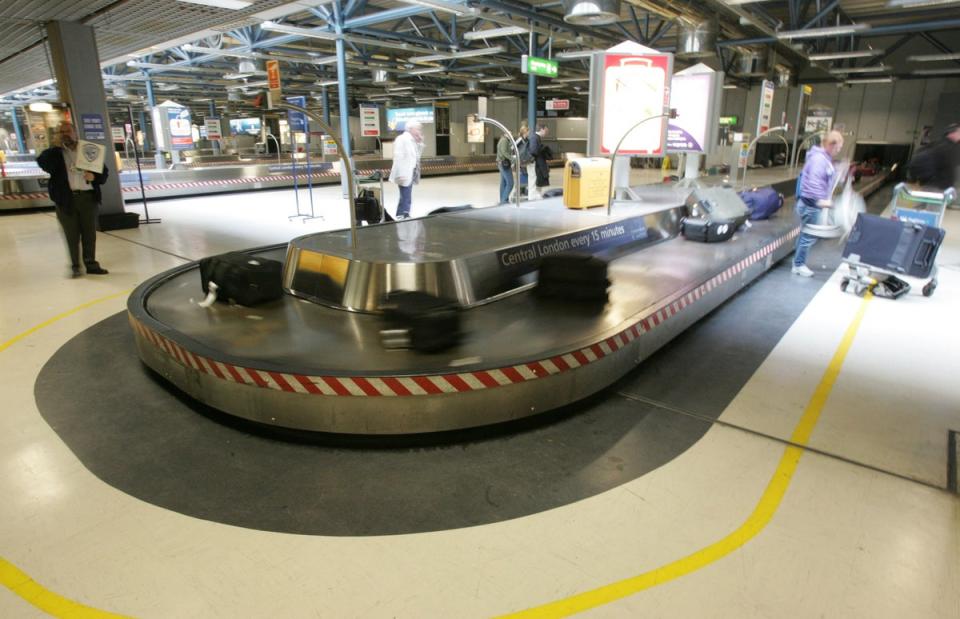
<point>586,182</point>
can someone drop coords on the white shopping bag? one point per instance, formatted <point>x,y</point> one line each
<point>633,91</point>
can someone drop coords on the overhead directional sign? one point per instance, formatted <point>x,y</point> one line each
<point>539,66</point>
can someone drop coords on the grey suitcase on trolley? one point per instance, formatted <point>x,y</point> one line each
<point>901,247</point>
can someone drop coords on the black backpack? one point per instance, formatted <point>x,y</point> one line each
<point>923,166</point>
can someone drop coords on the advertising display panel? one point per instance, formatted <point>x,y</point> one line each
<point>634,87</point>
<point>181,129</point>
<point>212,124</point>
<point>475,133</point>
<point>766,106</point>
<point>695,95</point>
<point>247,126</point>
<point>369,120</point>
<point>398,117</point>
<point>297,121</point>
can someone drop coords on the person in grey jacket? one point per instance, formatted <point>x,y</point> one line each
<point>76,194</point>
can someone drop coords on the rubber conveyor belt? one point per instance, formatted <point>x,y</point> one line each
<point>301,365</point>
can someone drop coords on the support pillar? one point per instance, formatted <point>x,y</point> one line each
<point>215,143</point>
<point>344,105</point>
<point>21,145</point>
<point>158,159</point>
<point>76,66</point>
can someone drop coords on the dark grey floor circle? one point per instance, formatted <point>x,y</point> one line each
<point>138,434</point>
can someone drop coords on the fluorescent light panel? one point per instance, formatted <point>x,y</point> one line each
<point>933,57</point>
<point>492,33</point>
<point>812,33</point>
<point>399,88</point>
<point>867,53</point>
<point>426,71</point>
<point>936,71</point>
<point>567,80</point>
<point>234,5</point>
<point>439,5</point>
<point>472,53</point>
<point>493,80</point>
<point>877,69</point>
<point>326,35</point>
<point>573,55</point>
<point>872,80</point>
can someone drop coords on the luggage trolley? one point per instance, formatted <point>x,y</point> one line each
<point>907,250</point>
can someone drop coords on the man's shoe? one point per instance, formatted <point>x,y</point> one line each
<point>75,272</point>
<point>96,271</point>
<point>802,271</point>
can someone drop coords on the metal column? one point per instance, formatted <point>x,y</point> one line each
<point>76,66</point>
<point>344,107</point>
<point>152,102</point>
<point>16,129</point>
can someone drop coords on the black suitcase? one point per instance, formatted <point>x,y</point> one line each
<point>705,230</point>
<point>242,278</point>
<point>368,208</point>
<point>118,221</point>
<point>893,245</point>
<point>430,323</point>
<point>573,276</point>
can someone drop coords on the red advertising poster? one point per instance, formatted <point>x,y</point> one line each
<point>635,87</point>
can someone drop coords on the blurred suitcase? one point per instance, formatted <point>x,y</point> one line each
<point>705,230</point>
<point>420,321</point>
<point>242,278</point>
<point>893,245</point>
<point>574,277</point>
<point>762,202</point>
<point>368,208</point>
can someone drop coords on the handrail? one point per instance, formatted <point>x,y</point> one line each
<point>613,155</point>
<point>347,167</point>
<point>743,181</point>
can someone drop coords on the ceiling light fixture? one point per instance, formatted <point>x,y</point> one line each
<point>328,83</point>
<point>211,51</point>
<point>936,71</point>
<point>493,33</point>
<point>311,33</point>
<point>812,33</point>
<point>567,80</point>
<point>493,80</point>
<point>440,5</point>
<point>843,70</point>
<point>426,71</point>
<point>399,88</point>
<point>234,5</point>
<point>932,57</point>
<point>872,80</point>
<point>574,55</point>
<point>40,106</point>
<point>472,53</point>
<point>867,53</point>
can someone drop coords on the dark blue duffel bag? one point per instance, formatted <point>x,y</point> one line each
<point>762,202</point>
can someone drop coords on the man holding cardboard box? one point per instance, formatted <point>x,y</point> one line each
<point>75,190</point>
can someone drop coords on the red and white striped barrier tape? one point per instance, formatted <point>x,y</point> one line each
<point>435,384</point>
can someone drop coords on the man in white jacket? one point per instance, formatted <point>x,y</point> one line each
<point>405,172</point>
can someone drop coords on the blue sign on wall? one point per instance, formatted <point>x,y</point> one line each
<point>92,127</point>
<point>297,120</point>
<point>398,117</point>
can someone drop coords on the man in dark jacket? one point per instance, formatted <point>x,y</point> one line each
<point>76,194</point>
<point>540,154</point>
<point>936,165</point>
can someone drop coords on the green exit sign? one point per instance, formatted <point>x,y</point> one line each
<point>728,121</point>
<point>539,66</point>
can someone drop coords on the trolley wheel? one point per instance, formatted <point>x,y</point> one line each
<point>844,284</point>
<point>929,288</point>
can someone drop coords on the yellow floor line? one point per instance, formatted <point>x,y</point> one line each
<point>11,576</point>
<point>59,317</point>
<point>756,522</point>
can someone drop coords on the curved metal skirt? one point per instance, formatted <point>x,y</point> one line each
<point>521,357</point>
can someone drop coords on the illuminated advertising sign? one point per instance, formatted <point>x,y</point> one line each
<point>397,118</point>
<point>369,120</point>
<point>181,129</point>
<point>695,95</point>
<point>766,106</point>
<point>634,87</point>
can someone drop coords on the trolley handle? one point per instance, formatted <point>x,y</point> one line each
<point>924,256</point>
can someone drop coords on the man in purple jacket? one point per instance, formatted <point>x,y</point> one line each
<point>816,192</point>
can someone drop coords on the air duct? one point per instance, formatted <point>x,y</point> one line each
<point>753,63</point>
<point>120,92</point>
<point>591,12</point>
<point>697,40</point>
<point>472,85</point>
<point>380,76</point>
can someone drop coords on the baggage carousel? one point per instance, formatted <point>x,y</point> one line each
<point>313,360</point>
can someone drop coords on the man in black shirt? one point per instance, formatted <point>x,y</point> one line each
<point>936,166</point>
